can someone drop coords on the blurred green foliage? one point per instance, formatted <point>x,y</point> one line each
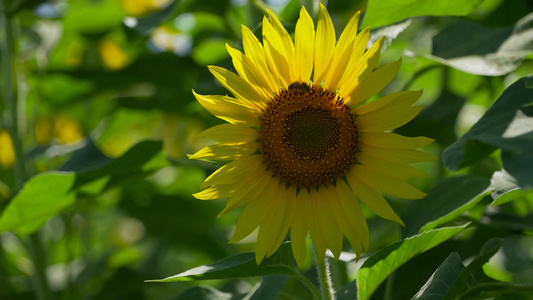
<point>105,120</point>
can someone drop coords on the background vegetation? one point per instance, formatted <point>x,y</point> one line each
<point>97,119</point>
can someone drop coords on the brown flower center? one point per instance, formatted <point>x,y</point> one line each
<point>308,136</point>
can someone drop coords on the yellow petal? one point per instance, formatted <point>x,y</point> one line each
<point>228,109</point>
<point>324,45</point>
<point>394,140</point>
<point>317,238</point>
<point>343,52</point>
<point>254,212</point>
<point>234,171</point>
<point>285,42</point>
<point>299,228</point>
<point>215,192</point>
<point>359,68</point>
<point>304,47</point>
<point>402,156</point>
<point>375,82</point>
<point>247,71</point>
<point>372,198</point>
<point>239,87</point>
<point>229,133</point>
<point>406,97</point>
<point>275,54</point>
<point>400,171</point>
<point>387,113</point>
<point>349,205</point>
<point>384,183</point>
<point>255,51</point>
<point>249,190</point>
<point>226,151</point>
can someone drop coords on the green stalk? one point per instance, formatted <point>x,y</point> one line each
<point>309,285</point>
<point>324,276</point>
<point>10,118</point>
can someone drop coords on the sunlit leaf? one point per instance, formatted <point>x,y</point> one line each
<point>476,49</point>
<point>241,265</point>
<point>505,188</point>
<point>381,264</point>
<point>508,124</point>
<point>41,198</point>
<point>438,285</point>
<point>381,12</point>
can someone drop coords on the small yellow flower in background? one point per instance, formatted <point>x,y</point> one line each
<point>112,54</point>
<point>137,8</point>
<point>303,147</point>
<point>68,130</point>
<point>44,130</point>
<point>7,154</point>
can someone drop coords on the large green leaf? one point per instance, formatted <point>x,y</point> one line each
<point>438,285</point>
<point>488,250</point>
<point>481,50</point>
<point>381,264</point>
<point>446,201</point>
<point>385,12</point>
<point>42,197</point>
<point>241,265</point>
<point>508,124</point>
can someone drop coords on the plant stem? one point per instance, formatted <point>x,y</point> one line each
<point>324,277</point>
<point>309,285</point>
<point>388,286</point>
<point>11,122</point>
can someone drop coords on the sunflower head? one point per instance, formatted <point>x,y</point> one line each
<point>304,148</point>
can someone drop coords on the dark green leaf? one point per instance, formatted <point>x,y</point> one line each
<point>436,121</point>
<point>266,288</point>
<point>42,197</point>
<point>488,250</point>
<point>241,265</point>
<point>506,125</point>
<point>438,285</point>
<point>380,265</point>
<point>144,25</point>
<point>139,160</point>
<point>347,292</point>
<point>380,13</point>
<point>444,203</point>
<point>476,49</point>
<point>204,293</point>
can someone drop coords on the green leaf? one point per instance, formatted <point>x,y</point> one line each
<point>241,265</point>
<point>347,292</point>
<point>42,197</point>
<point>204,293</point>
<point>507,124</point>
<point>438,285</point>
<point>139,160</point>
<point>380,265</point>
<point>210,51</point>
<point>488,250</point>
<point>389,32</point>
<point>444,203</point>
<point>266,288</point>
<point>436,121</point>
<point>385,12</point>
<point>477,49</point>
<point>505,188</point>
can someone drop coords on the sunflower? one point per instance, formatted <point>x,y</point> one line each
<point>303,145</point>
